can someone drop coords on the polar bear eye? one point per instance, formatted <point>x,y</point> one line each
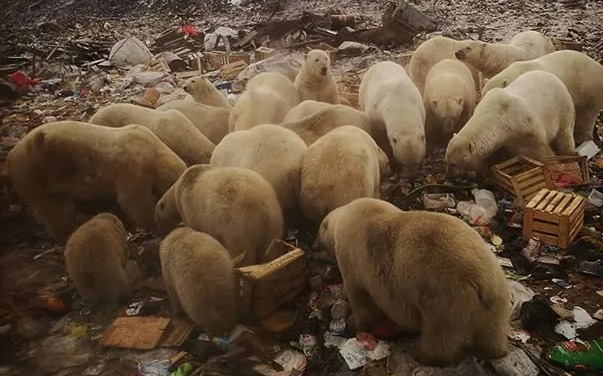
<point>316,60</point>
<point>395,140</point>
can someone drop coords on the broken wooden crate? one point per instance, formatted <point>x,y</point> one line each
<point>521,176</point>
<point>567,171</point>
<point>266,287</point>
<point>554,217</point>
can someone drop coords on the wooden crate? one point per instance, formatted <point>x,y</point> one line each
<point>262,53</point>
<point>521,176</point>
<point>554,164</point>
<point>266,287</point>
<point>553,217</point>
<point>217,59</point>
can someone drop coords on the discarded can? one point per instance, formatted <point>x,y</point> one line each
<point>532,249</point>
<point>578,355</point>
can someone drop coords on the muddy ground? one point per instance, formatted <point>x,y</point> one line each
<point>43,336</point>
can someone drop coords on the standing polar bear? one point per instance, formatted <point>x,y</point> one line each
<point>431,52</point>
<point>203,91</point>
<point>171,126</point>
<point>315,80</point>
<point>395,107</point>
<point>199,279</point>
<point>272,151</point>
<point>517,119</point>
<point>311,119</point>
<point>236,206</point>
<point>341,166</point>
<point>428,272</point>
<point>491,58</point>
<point>267,99</point>
<point>95,256</point>
<point>59,165</point>
<point>449,99</point>
<point>582,76</point>
<point>209,120</point>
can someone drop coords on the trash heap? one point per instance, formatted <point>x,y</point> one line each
<point>542,219</point>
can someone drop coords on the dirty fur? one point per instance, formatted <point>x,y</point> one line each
<point>395,109</point>
<point>491,58</point>
<point>518,120</point>
<point>236,206</point>
<point>266,100</point>
<point>341,166</point>
<point>172,127</point>
<point>59,164</point>
<point>211,121</point>
<point>428,272</point>
<point>203,91</point>
<point>315,119</point>
<point>582,76</point>
<point>198,276</point>
<point>315,80</point>
<point>272,151</point>
<point>95,256</point>
<point>431,52</point>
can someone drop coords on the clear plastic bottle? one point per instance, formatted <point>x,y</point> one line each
<point>486,200</point>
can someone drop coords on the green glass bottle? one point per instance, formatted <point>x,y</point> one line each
<point>578,355</point>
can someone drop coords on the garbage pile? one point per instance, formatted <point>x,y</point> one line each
<point>554,275</point>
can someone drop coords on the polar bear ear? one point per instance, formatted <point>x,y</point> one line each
<point>305,56</point>
<point>504,83</point>
<point>459,100</point>
<point>471,147</point>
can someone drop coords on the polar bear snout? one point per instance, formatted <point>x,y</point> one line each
<point>323,71</point>
<point>460,54</point>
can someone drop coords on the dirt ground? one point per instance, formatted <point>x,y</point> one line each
<point>45,329</point>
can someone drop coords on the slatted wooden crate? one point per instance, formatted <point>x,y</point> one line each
<point>521,176</point>
<point>266,287</point>
<point>554,165</point>
<point>262,53</point>
<point>553,217</point>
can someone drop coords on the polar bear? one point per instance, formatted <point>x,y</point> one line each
<point>171,126</point>
<point>211,121</point>
<point>519,120</point>
<point>582,76</point>
<point>58,165</point>
<point>305,108</point>
<point>341,166</point>
<point>491,58</point>
<point>236,206</point>
<point>272,151</point>
<point>266,100</point>
<point>449,100</point>
<point>95,256</point>
<point>428,54</point>
<point>428,272</point>
<point>395,107</point>
<point>203,91</point>
<point>198,275</point>
<point>315,80</point>
<point>315,125</point>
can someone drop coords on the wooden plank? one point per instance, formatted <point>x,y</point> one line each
<point>573,205</point>
<point>576,229</point>
<point>536,171</point>
<point>563,232</point>
<point>545,200</point>
<point>533,162</point>
<point>533,189</point>
<point>507,163</point>
<point>534,201</point>
<point>528,219</point>
<point>545,227</point>
<point>552,206</point>
<point>563,204</point>
<point>546,238</point>
<point>546,217</point>
<point>578,212</point>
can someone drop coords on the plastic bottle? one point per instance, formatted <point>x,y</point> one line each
<point>475,214</point>
<point>578,355</point>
